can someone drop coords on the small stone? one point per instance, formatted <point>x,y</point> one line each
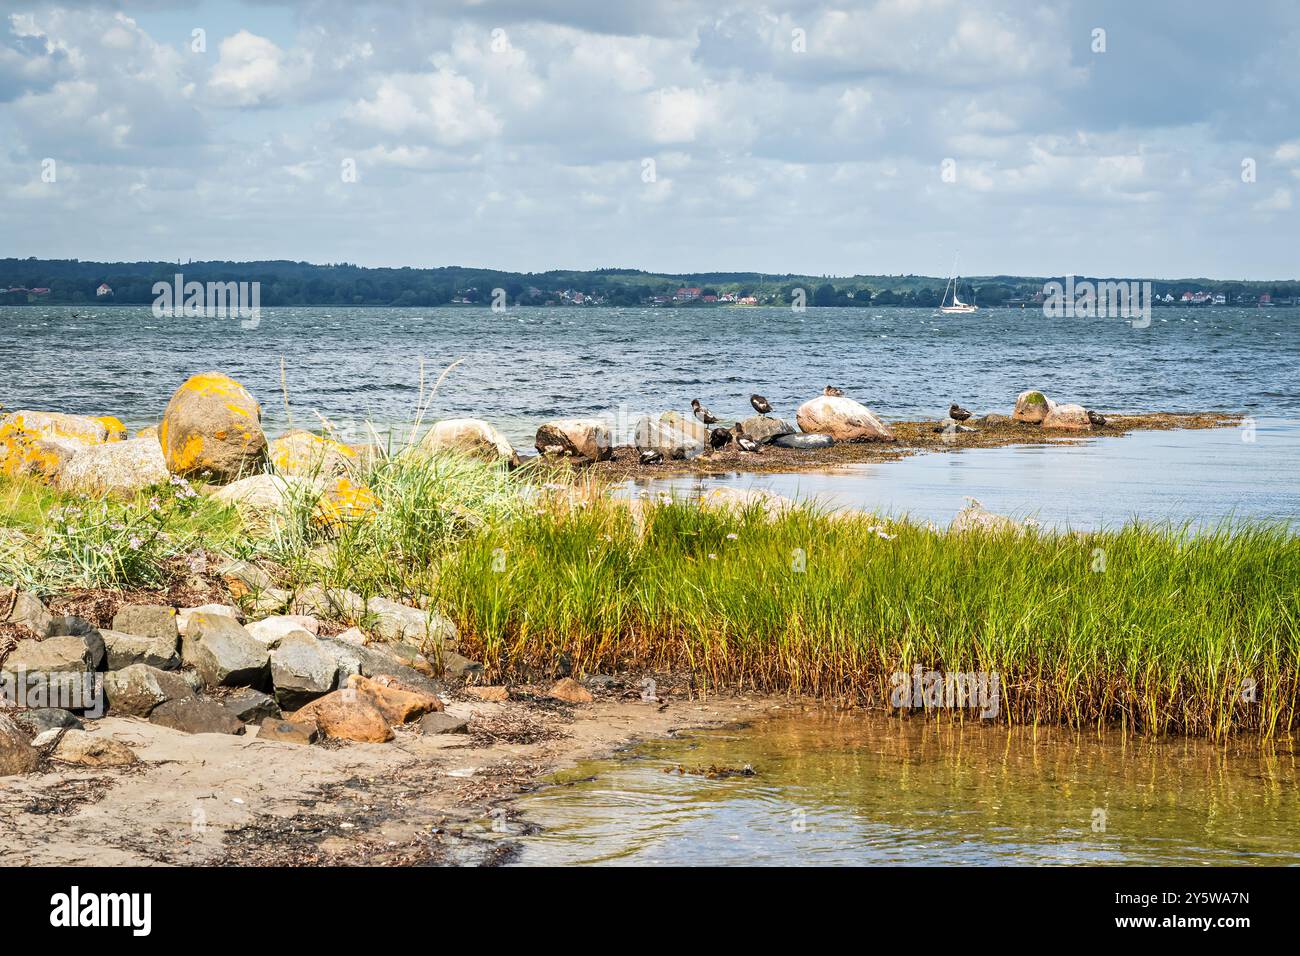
<point>442,723</point>
<point>495,694</point>
<point>251,706</point>
<point>184,615</point>
<point>287,731</point>
<point>570,691</point>
<point>19,607</point>
<point>271,630</point>
<point>136,690</point>
<point>352,635</point>
<point>40,719</point>
<point>195,716</point>
<point>146,620</point>
<point>123,650</point>
<point>455,665</point>
<point>89,750</point>
<point>223,652</point>
<point>17,755</point>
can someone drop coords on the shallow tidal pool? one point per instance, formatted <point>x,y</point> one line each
<point>850,788</point>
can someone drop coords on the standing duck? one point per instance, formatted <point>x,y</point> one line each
<point>761,404</point>
<point>957,413</point>
<point>702,413</point>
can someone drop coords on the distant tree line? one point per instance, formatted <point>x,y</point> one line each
<point>284,283</point>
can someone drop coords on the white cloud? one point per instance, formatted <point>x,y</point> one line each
<point>253,71</point>
<point>442,107</point>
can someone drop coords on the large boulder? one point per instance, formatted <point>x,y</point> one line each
<point>41,444</point>
<point>763,429</point>
<point>223,653</point>
<point>120,468</point>
<point>686,423</point>
<point>1032,406</point>
<point>397,701</point>
<point>345,715</point>
<point>470,436</point>
<point>212,430</point>
<point>17,755</point>
<point>302,669</point>
<point>123,650</point>
<point>73,653</point>
<point>841,418</point>
<point>259,495</point>
<point>147,620</point>
<point>305,455</point>
<point>1070,418</point>
<point>192,715</point>
<point>423,630</point>
<point>584,439</point>
<point>667,438</point>
<point>136,690</point>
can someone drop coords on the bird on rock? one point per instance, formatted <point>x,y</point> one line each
<point>702,413</point>
<point>833,392</point>
<point>761,404</point>
<point>1096,419</point>
<point>957,413</point>
<point>651,457</point>
<point>719,438</point>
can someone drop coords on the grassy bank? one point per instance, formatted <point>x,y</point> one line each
<point>1157,630</point>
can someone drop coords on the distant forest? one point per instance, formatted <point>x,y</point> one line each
<point>71,281</point>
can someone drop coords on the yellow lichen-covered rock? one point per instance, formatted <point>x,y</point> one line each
<point>469,436</point>
<point>39,444</point>
<point>149,431</point>
<point>212,430</point>
<point>113,427</point>
<point>306,455</point>
<point>117,468</point>
<point>342,501</point>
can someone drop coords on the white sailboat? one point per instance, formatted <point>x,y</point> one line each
<point>957,307</point>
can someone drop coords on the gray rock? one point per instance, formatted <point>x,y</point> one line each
<point>186,614</point>
<point>193,715</point>
<point>377,660</point>
<point>223,653</point>
<point>764,430</point>
<point>146,620</point>
<point>952,426</point>
<point>19,607</point>
<point>40,719</point>
<point>270,601</point>
<point>667,438</point>
<point>123,650</point>
<point>302,670</point>
<point>287,731</point>
<point>136,690</point>
<point>246,576</point>
<point>332,603</point>
<point>441,722</point>
<point>803,441</point>
<point>73,653</point>
<point>251,706</point>
<point>422,630</point>
<point>17,755</point>
<point>455,665</point>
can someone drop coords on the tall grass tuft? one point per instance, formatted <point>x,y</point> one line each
<point>1174,631</point>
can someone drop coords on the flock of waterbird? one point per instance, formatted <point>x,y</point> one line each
<point>721,437</point>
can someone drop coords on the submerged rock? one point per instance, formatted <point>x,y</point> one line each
<point>470,436</point>
<point>841,418</point>
<point>585,439</point>
<point>1032,406</point>
<point>212,430</point>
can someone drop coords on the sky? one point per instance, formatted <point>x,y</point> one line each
<point>1153,139</point>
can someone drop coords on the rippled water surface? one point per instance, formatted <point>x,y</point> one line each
<point>523,366</point>
<point>844,790</point>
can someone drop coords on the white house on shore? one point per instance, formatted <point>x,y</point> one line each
<point>103,290</point>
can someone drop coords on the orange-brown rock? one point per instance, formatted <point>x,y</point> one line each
<point>570,691</point>
<point>496,694</point>
<point>345,715</point>
<point>397,701</point>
